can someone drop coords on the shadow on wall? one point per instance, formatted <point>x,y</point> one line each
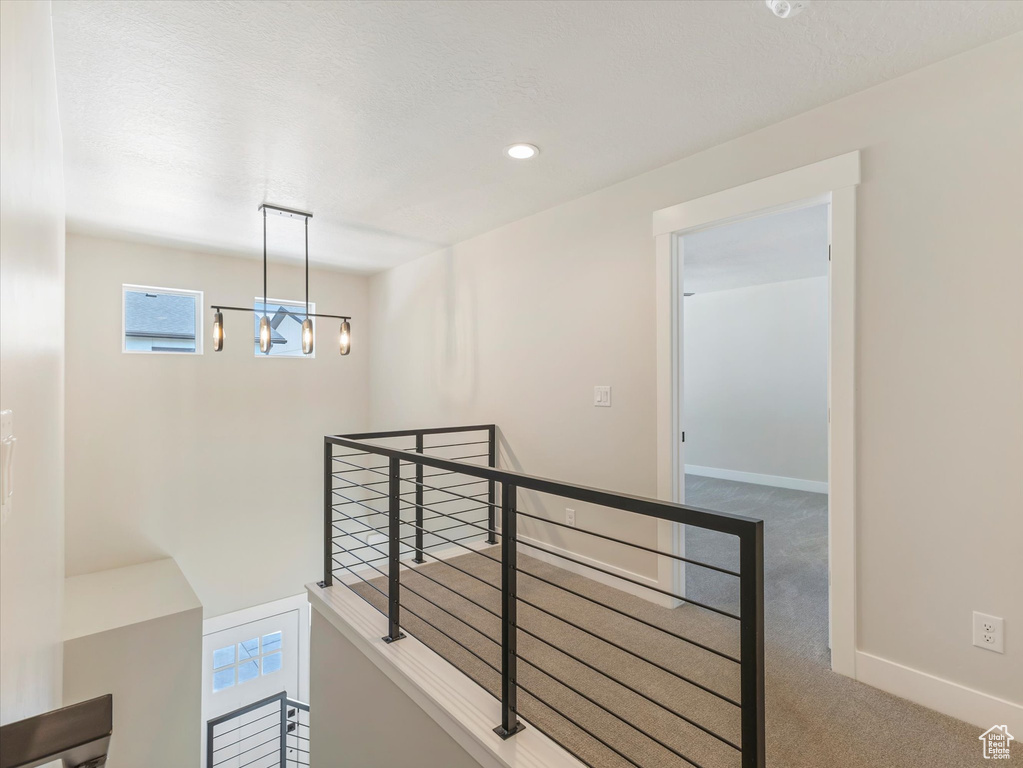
<point>456,361</point>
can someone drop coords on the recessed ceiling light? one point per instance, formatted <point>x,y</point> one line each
<point>786,9</point>
<point>522,151</point>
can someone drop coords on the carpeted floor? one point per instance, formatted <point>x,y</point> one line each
<point>815,718</point>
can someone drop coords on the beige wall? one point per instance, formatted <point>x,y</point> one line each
<point>31,362</point>
<point>518,324</point>
<point>756,379</point>
<point>354,709</point>
<point>154,671</point>
<point>215,460</point>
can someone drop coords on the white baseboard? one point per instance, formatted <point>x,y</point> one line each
<point>777,481</point>
<point>551,557</point>
<point>967,704</point>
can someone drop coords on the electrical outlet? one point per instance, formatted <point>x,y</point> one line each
<point>989,632</point>
<point>569,517</point>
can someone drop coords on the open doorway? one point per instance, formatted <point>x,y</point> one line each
<point>753,323</point>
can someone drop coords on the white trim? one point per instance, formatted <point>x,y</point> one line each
<point>952,699</point>
<point>783,191</point>
<point>199,309</point>
<point>551,557</point>
<point>458,705</point>
<point>831,180</point>
<point>776,481</point>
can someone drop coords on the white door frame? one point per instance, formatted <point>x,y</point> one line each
<point>216,624</point>
<point>834,180</point>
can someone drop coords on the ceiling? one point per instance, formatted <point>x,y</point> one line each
<point>768,249</point>
<point>387,119</point>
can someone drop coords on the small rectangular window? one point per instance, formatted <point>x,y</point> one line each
<point>286,319</point>
<point>158,320</point>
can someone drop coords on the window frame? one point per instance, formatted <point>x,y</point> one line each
<point>199,310</point>
<point>301,303</point>
<point>238,661</point>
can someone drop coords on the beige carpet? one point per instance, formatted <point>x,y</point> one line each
<point>814,717</point>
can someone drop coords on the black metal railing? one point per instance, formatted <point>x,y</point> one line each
<point>269,733</point>
<point>393,499</point>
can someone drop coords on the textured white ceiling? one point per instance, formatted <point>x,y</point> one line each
<point>387,119</point>
<point>768,249</point>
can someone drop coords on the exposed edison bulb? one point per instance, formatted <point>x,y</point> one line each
<point>264,335</point>
<point>346,337</point>
<point>307,336</point>
<point>218,331</point>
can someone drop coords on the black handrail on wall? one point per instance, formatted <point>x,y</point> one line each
<point>342,477</point>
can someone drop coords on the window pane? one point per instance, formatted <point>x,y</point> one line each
<point>222,679</point>
<point>272,642</point>
<point>223,656</point>
<point>159,322</point>
<point>286,326</point>
<point>248,649</point>
<point>248,670</point>
<point>271,663</point>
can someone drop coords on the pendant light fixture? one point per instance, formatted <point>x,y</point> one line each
<point>218,331</point>
<point>346,337</point>
<point>266,328</point>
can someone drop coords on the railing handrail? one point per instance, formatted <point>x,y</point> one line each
<point>284,703</point>
<point>748,530</point>
<point>723,522</point>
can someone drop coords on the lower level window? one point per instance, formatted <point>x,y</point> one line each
<point>247,660</point>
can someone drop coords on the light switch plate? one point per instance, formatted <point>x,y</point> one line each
<point>7,443</point>
<point>602,397</point>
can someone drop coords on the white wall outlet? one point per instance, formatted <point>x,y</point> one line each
<point>989,632</point>
<point>602,397</point>
<point>569,517</point>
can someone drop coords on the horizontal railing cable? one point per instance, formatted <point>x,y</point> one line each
<point>275,726</point>
<point>631,581</point>
<point>257,746</point>
<point>578,725</point>
<point>614,714</point>
<point>613,644</point>
<point>243,725</point>
<point>629,544</point>
<point>676,635</point>
<point>445,514</point>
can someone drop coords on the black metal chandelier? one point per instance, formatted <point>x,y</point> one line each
<point>265,331</point>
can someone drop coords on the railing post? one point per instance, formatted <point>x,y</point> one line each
<point>509,621</point>
<point>328,513</point>
<point>394,552</point>
<point>491,486</point>
<point>751,643</point>
<point>419,503</point>
<point>284,729</point>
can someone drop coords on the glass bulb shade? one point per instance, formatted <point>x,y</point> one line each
<point>218,331</point>
<point>264,335</point>
<point>346,337</point>
<point>307,336</point>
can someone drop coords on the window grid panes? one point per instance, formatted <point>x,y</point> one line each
<point>286,319</point>
<point>247,660</point>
